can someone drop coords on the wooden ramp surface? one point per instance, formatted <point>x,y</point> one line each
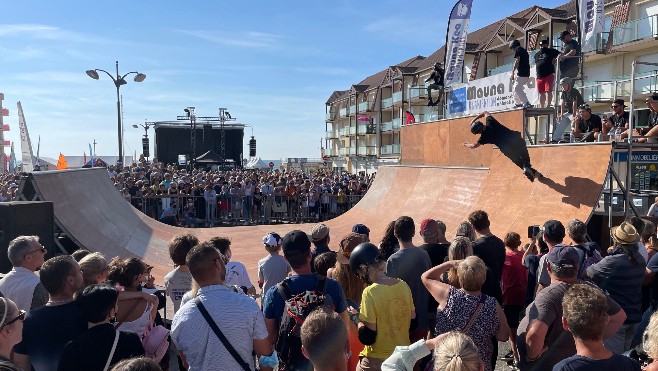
<point>99,218</point>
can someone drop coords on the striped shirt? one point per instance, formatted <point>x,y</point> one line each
<point>237,316</point>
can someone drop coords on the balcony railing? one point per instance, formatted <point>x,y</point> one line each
<point>387,103</point>
<point>397,123</point>
<point>363,106</point>
<point>602,42</point>
<point>635,30</point>
<point>343,112</point>
<point>645,83</point>
<point>352,130</point>
<point>397,97</point>
<point>330,134</point>
<point>342,132</point>
<point>330,116</point>
<point>390,149</point>
<point>366,151</point>
<point>417,91</point>
<point>352,109</point>
<point>352,151</point>
<point>343,151</point>
<point>508,67</point>
<point>362,129</point>
<point>387,126</point>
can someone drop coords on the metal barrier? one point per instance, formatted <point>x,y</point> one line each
<point>195,211</point>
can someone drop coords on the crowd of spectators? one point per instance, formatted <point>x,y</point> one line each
<point>557,302</point>
<point>207,198</point>
<point>8,186</point>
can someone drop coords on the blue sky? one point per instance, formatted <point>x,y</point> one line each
<point>272,64</point>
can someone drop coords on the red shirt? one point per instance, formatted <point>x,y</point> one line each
<point>515,278</point>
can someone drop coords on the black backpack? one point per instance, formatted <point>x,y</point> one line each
<point>591,256</point>
<point>297,308</point>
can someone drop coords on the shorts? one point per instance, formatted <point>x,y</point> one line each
<point>545,84</point>
<point>513,313</point>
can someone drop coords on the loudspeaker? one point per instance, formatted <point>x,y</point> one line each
<point>145,147</point>
<point>25,218</point>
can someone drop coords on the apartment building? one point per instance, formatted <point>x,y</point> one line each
<point>363,122</point>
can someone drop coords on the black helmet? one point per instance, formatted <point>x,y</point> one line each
<point>365,253</point>
<point>437,65</point>
<point>477,127</point>
<point>514,44</point>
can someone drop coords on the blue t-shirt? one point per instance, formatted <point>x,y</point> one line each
<point>579,363</point>
<point>652,265</point>
<point>46,330</point>
<point>274,303</point>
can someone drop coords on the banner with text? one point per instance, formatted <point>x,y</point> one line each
<point>456,35</point>
<point>493,93</point>
<point>591,22</point>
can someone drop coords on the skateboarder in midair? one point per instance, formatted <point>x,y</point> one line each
<point>510,142</point>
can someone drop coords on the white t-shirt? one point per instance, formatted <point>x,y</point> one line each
<point>177,283</point>
<point>236,274</point>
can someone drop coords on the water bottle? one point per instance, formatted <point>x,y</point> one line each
<point>618,135</point>
<point>572,138</point>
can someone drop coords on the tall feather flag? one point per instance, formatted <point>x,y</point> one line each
<point>591,22</point>
<point>61,163</point>
<point>456,36</point>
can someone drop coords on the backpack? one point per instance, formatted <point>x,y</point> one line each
<point>591,256</point>
<point>297,307</point>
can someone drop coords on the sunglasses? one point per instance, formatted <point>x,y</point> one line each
<point>614,106</point>
<point>42,249</point>
<point>19,317</point>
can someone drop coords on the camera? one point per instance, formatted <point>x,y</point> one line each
<point>533,231</point>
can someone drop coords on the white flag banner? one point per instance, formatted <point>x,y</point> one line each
<point>26,145</point>
<point>460,17</point>
<point>591,22</point>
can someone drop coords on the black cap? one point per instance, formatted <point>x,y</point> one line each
<point>619,102</point>
<point>565,33</point>
<point>295,242</point>
<point>554,230</point>
<point>544,42</point>
<point>361,229</point>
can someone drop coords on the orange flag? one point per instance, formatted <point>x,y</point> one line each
<point>61,163</point>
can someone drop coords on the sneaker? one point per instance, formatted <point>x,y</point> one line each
<point>430,104</point>
<point>519,105</point>
<point>509,357</point>
<point>529,173</point>
<point>527,105</point>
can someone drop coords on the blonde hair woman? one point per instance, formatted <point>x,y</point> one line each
<point>459,249</point>
<point>457,352</point>
<point>467,309</point>
<point>11,327</point>
<point>650,343</point>
<point>95,269</point>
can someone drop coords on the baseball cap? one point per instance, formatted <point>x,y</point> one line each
<point>619,102</point>
<point>272,239</point>
<point>544,42</point>
<point>361,229</point>
<point>624,233</point>
<point>295,242</point>
<point>564,33</point>
<point>554,230</point>
<point>429,227</point>
<point>318,232</point>
<point>564,256</point>
<point>347,244</point>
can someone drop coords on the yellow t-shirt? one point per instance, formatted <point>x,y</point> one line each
<point>389,307</point>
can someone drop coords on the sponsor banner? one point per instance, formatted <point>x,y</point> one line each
<point>456,35</point>
<point>591,22</point>
<point>493,93</point>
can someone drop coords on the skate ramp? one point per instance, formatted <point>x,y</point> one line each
<point>90,210</point>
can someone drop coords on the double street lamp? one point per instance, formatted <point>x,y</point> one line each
<point>119,80</point>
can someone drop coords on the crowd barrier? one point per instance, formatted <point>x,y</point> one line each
<point>195,211</point>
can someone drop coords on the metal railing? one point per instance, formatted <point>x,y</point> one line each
<point>635,30</point>
<point>390,149</point>
<point>508,67</point>
<point>397,123</point>
<point>362,129</point>
<point>352,109</point>
<point>397,97</point>
<point>387,126</point>
<point>343,112</point>
<point>387,102</point>
<point>363,106</point>
<point>195,211</point>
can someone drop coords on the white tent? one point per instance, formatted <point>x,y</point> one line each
<point>257,163</point>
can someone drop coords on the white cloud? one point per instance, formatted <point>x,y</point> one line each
<point>247,39</point>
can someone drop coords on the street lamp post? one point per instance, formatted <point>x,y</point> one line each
<point>145,140</point>
<point>118,81</point>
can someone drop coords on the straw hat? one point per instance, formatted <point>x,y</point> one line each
<point>624,233</point>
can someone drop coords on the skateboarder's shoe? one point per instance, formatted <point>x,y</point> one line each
<point>430,104</point>
<point>529,173</point>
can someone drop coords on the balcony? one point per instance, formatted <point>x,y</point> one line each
<point>387,103</point>
<point>343,151</point>
<point>343,112</point>
<point>387,126</point>
<point>330,116</point>
<point>342,132</point>
<point>363,106</point>
<point>397,123</point>
<point>352,151</point>
<point>397,97</point>
<point>352,110</point>
<point>331,134</point>
<point>362,129</point>
<point>629,36</point>
<point>601,91</point>
<point>645,83</point>
<point>366,151</point>
<point>333,152</point>
<point>390,149</point>
<point>352,130</point>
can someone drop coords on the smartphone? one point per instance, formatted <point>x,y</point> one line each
<point>533,231</point>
